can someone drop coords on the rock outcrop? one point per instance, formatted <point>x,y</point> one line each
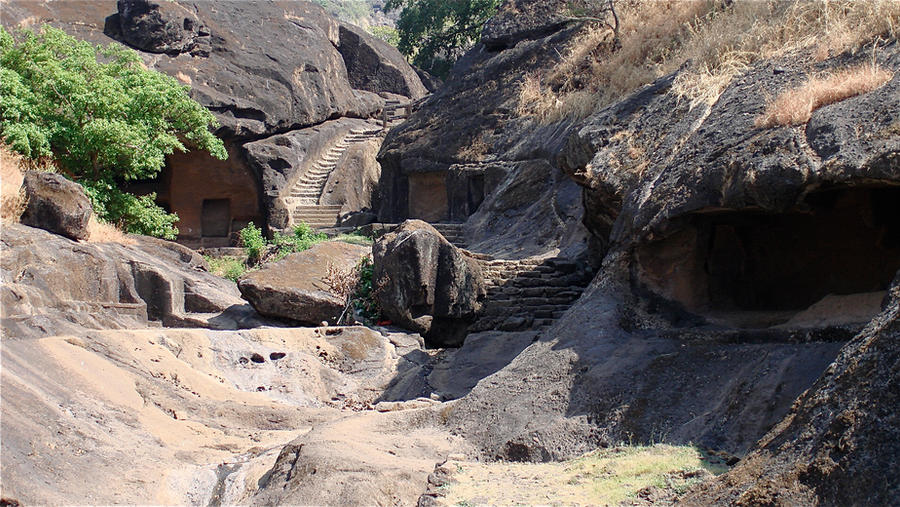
<point>696,217</point>
<point>56,204</point>
<point>160,27</point>
<point>465,156</point>
<point>284,160</point>
<point>296,287</point>
<point>840,442</point>
<point>208,411</point>
<point>52,285</point>
<point>265,70</point>
<point>518,20</point>
<point>305,80</point>
<point>425,284</point>
<point>375,66</point>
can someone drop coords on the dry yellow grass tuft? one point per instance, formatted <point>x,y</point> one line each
<point>12,195</point>
<point>795,106</point>
<point>102,232</point>
<point>721,39</point>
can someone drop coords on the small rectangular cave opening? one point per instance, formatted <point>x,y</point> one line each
<point>826,262</point>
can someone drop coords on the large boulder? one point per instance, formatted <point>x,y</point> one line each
<point>375,66</point>
<point>295,287</point>
<point>426,284</point>
<point>56,204</point>
<point>159,27</point>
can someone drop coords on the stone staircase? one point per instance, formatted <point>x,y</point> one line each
<point>528,293</point>
<point>307,191</point>
<point>453,233</point>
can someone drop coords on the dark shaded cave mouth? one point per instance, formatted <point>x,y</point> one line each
<point>826,262</point>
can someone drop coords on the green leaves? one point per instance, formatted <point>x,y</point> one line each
<point>101,115</point>
<point>436,32</point>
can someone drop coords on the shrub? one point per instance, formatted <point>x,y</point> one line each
<point>227,267</point>
<point>364,298</point>
<point>795,106</point>
<point>252,239</point>
<point>388,34</point>
<point>103,123</point>
<point>355,287</point>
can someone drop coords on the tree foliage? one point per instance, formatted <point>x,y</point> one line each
<point>434,33</point>
<point>102,116</point>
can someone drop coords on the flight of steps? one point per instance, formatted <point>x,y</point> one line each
<point>307,192</point>
<point>528,293</point>
<point>453,233</point>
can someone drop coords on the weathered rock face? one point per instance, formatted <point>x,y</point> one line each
<point>177,403</point>
<point>465,145</point>
<point>160,27</point>
<point>518,20</point>
<point>529,192</point>
<point>428,285</point>
<point>688,207</point>
<point>375,66</point>
<point>722,217</point>
<point>263,68</point>
<point>305,81</point>
<point>840,442</point>
<point>295,287</point>
<point>52,285</point>
<point>56,204</point>
<point>284,159</point>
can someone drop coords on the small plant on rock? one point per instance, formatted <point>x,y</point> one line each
<point>356,288</point>
<point>252,239</point>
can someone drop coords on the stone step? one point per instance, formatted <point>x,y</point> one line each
<point>315,220</point>
<point>334,207</point>
<point>530,301</point>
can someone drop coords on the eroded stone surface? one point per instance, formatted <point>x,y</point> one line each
<point>56,204</point>
<point>429,286</point>
<point>296,287</point>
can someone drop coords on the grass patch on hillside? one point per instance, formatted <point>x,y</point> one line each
<point>603,477</point>
<point>721,39</point>
<point>229,267</point>
<point>795,106</point>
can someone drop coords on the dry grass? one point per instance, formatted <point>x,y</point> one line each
<point>614,476</point>
<point>102,232</point>
<point>795,106</point>
<point>12,195</point>
<point>721,39</point>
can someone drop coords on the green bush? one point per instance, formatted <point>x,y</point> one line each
<point>252,239</point>
<point>364,299</point>
<point>388,34</point>
<point>227,267</point>
<point>104,122</point>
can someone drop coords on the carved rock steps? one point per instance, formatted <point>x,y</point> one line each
<point>528,293</point>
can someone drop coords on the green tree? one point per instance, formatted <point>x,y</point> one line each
<point>434,33</point>
<point>102,116</point>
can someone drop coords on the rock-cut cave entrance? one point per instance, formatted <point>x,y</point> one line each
<point>827,261</point>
